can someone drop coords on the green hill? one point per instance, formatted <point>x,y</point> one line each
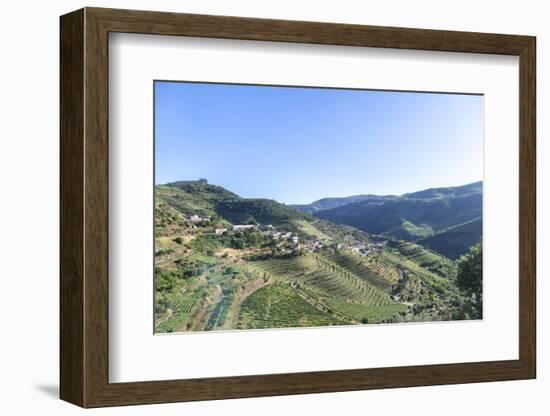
<point>265,211</point>
<point>192,197</point>
<point>417,215</point>
<point>220,205</point>
<point>290,269</point>
<point>455,241</point>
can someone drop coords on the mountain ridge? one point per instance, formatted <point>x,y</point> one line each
<point>438,218</point>
<point>334,202</point>
<point>417,215</point>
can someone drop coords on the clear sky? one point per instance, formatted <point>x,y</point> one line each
<point>297,145</point>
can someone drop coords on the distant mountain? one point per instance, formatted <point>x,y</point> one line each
<point>330,203</point>
<point>417,216</point>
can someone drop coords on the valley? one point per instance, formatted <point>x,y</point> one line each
<point>447,220</point>
<point>223,262</point>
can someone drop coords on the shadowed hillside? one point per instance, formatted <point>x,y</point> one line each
<point>418,216</point>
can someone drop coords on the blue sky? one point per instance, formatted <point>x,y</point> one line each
<point>297,145</point>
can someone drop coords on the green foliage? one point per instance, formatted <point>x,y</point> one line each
<point>470,278</point>
<point>265,211</point>
<point>166,280</point>
<point>164,252</point>
<point>258,256</point>
<point>202,187</point>
<point>229,271</point>
<point>246,239</point>
<point>188,198</point>
<point>208,243</point>
<point>178,240</point>
<point>161,305</point>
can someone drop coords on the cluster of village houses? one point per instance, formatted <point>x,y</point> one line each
<point>268,231</point>
<point>310,243</point>
<point>365,249</point>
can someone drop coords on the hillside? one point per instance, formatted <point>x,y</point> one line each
<point>416,216</point>
<point>264,211</point>
<point>192,197</point>
<point>226,262</point>
<point>456,240</point>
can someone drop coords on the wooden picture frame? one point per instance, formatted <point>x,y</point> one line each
<point>84,207</point>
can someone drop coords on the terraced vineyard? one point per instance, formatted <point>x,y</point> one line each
<point>183,304</point>
<point>321,273</point>
<point>223,262</point>
<point>278,306</point>
<point>369,314</point>
<point>373,272</point>
<point>340,282</point>
<point>181,307</point>
<point>332,288</point>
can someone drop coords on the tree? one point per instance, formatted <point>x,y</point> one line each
<point>470,279</point>
<point>251,220</point>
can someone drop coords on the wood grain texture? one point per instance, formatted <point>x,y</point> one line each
<point>84,207</point>
<point>528,208</point>
<point>71,100</point>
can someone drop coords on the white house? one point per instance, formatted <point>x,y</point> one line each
<point>195,218</point>
<point>243,227</point>
<point>220,231</point>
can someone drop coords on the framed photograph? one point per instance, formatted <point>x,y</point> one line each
<point>255,207</point>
